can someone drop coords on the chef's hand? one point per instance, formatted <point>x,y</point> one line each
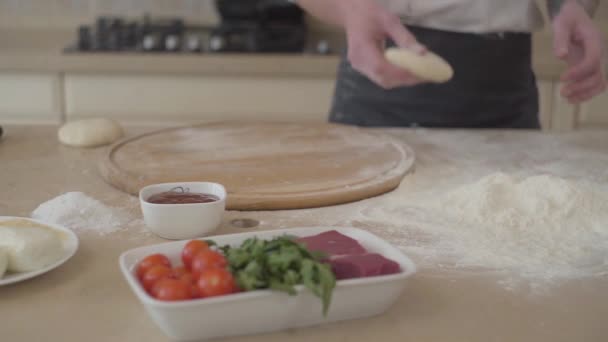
<point>368,25</point>
<point>579,43</point>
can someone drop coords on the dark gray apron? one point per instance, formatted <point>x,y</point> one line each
<point>493,87</point>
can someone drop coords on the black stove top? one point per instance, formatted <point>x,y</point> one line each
<point>251,26</point>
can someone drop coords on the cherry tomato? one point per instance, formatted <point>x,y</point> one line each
<point>191,249</point>
<point>149,261</point>
<point>171,289</point>
<point>154,274</point>
<point>215,282</point>
<point>180,273</point>
<point>207,259</point>
<point>194,292</point>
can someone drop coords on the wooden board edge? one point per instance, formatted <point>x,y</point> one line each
<point>130,184</point>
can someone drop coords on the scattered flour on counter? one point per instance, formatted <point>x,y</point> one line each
<point>530,229</point>
<point>80,212</point>
<point>540,227</point>
<point>541,221</point>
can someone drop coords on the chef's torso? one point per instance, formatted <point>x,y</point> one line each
<point>477,16</point>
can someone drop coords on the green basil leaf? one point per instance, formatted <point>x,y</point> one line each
<point>249,282</point>
<point>276,284</point>
<point>280,264</point>
<point>291,277</point>
<point>327,281</point>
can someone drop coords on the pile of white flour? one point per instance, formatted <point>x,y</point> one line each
<point>539,227</point>
<point>80,212</point>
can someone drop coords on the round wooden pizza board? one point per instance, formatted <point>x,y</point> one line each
<point>264,166</point>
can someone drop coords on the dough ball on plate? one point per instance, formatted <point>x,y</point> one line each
<point>90,132</point>
<point>30,248</point>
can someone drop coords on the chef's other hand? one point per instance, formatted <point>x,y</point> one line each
<point>368,25</point>
<point>579,43</point>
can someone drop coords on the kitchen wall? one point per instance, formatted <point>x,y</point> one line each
<point>68,13</point>
<point>601,16</point>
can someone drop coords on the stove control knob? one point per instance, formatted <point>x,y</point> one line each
<point>172,43</point>
<point>193,43</point>
<point>217,43</point>
<point>323,47</point>
<point>149,42</point>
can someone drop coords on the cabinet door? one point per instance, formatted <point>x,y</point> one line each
<point>564,115</point>
<point>594,113</point>
<point>545,93</point>
<point>30,98</point>
<point>150,99</point>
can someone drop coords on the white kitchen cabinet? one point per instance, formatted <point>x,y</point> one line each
<point>545,93</point>
<point>176,99</point>
<point>166,98</point>
<point>30,97</point>
<point>565,117</point>
<point>149,99</point>
<point>563,114</point>
<point>594,113</point>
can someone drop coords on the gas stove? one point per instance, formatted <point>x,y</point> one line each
<point>248,26</point>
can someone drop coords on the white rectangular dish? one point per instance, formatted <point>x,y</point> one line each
<point>264,310</point>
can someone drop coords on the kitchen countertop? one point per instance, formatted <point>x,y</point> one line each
<point>87,299</point>
<point>41,51</point>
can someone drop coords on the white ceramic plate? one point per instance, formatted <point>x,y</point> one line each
<point>70,245</point>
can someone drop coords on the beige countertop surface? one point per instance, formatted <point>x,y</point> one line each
<point>87,298</point>
<point>41,51</point>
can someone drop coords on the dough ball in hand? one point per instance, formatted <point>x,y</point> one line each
<point>30,248</point>
<point>428,66</point>
<point>90,132</point>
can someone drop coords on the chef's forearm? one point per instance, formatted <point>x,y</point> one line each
<point>330,11</point>
<point>555,6</point>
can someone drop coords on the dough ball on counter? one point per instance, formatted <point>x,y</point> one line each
<point>90,132</point>
<point>428,66</point>
<point>3,261</point>
<point>30,248</point>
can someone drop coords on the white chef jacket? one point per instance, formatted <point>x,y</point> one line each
<point>476,16</point>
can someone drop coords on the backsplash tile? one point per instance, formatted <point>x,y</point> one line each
<point>106,7</point>
<point>81,8</point>
<point>68,13</point>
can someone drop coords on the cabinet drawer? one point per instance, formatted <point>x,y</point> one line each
<point>30,98</point>
<point>148,98</point>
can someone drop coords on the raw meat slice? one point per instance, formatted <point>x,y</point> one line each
<point>333,243</point>
<point>363,265</point>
